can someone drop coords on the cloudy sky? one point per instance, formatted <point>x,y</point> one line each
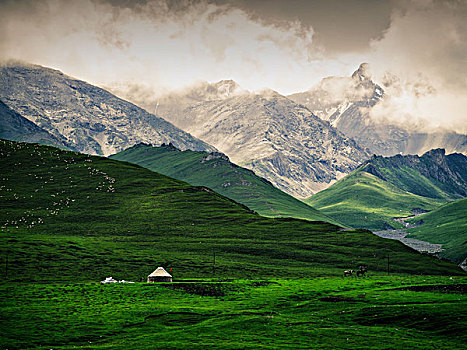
<point>419,46</point>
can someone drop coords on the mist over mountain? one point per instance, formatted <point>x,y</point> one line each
<point>89,119</point>
<point>268,133</point>
<point>348,103</point>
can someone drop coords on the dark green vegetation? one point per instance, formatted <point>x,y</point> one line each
<point>67,216</point>
<point>446,225</point>
<point>17,128</point>
<point>214,170</point>
<point>320,313</point>
<point>68,219</point>
<point>383,188</point>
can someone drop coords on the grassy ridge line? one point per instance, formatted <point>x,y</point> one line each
<point>66,216</point>
<point>448,226</point>
<point>218,173</point>
<point>364,200</point>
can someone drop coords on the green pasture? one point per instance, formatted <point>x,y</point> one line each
<point>319,313</point>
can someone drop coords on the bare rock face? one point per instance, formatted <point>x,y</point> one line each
<point>346,103</point>
<point>17,128</point>
<point>89,119</point>
<point>273,136</point>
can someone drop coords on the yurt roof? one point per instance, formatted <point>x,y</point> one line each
<point>160,272</point>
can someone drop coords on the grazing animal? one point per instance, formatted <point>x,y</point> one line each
<point>348,273</point>
<point>361,271</point>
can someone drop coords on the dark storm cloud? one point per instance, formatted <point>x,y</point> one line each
<point>339,26</point>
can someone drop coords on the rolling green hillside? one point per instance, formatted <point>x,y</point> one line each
<point>66,216</point>
<point>214,170</point>
<point>364,200</point>
<point>383,188</point>
<point>448,226</point>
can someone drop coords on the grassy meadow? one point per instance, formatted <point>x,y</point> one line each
<point>319,313</point>
<point>69,220</point>
<point>364,200</point>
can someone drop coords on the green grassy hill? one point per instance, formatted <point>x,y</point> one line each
<point>214,170</point>
<point>383,188</point>
<point>446,225</point>
<point>66,216</point>
<point>364,200</point>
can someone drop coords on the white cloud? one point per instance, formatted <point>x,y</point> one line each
<point>425,48</point>
<point>155,46</point>
<point>150,43</point>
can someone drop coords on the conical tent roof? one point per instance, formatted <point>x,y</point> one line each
<point>160,272</point>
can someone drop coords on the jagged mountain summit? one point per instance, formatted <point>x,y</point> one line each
<point>346,103</point>
<point>273,136</point>
<point>88,118</point>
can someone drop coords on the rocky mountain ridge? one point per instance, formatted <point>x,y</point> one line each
<point>273,136</point>
<point>448,172</point>
<point>17,128</point>
<point>346,103</point>
<point>88,118</point>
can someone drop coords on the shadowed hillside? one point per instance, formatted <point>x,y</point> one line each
<point>214,170</point>
<point>72,217</point>
<point>447,226</point>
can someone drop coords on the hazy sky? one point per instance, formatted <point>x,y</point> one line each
<point>419,46</point>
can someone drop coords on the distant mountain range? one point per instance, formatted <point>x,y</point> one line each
<point>346,103</point>
<point>214,170</point>
<point>268,133</point>
<point>86,118</point>
<point>383,188</point>
<point>279,138</point>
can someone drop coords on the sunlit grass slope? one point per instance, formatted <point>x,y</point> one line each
<point>218,173</point>
<point>446,225</point>
<point>386,187</point>
<point>66,216</point>
<point>364,200</point>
